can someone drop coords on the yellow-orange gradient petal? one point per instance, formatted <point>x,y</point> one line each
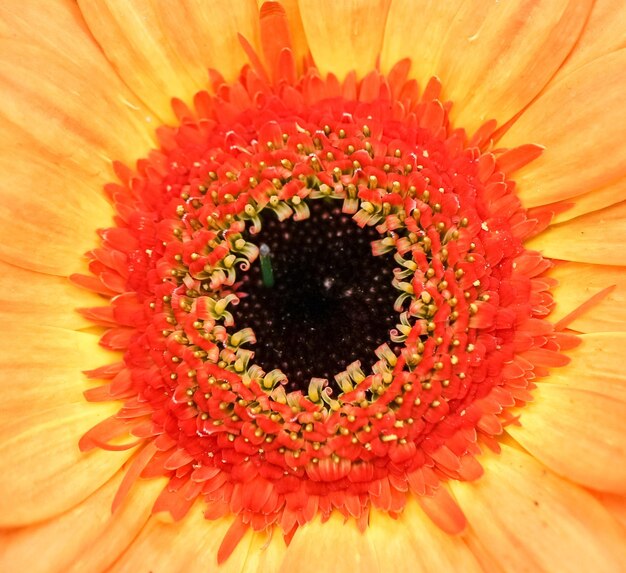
<point>42,368</point>
<point>593,366</point>
<point>27,297</point>
<point>528,519</point>
<point>413,543</point>
<point>579,282</point>
<point>49,210</point>
<point>86,538</point>
<point>299,43</point>
<point>592,201</point>
<point>578,428</point>
<point>494,57</point>
<point>344,35</point>
<point>266,553</point>
<point>603,33</point>
<point>615,504</point>
<point>417,29</point>
<point>164,49</point>
<point>579,120</point>
<point>188,546</point>
<point>75,108</point>
<point>346,547</point>
<point>42,471</point>
<point>596,237</point>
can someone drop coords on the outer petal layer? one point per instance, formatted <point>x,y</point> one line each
<point>36,378</point>
<point>344,35</point>
<point>86,538</point>
<point>30,297</point>
<point>350,549</point>
<point>578,427</point>
<point>603,34</point>
<point>413,543</point>
<point>531,40</point>
<point>578,282</point>
<point>35,485</point>
<point>189,546</point>
<point>529,520</point>
<point>50,229</point>
<point>199,35</point>
<point>579,107</point>
<point>596,237</point>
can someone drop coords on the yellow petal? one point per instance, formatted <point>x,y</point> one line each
<point>414,543</point>
<point>344,547</point>
<point>615,505</point>
<point>603,33</point>
<point>417,29</point>
<point>594,366</point>
<point>35,298</point>
<point>42,369</point>
<point>578,282</point>
<point>528,519</point>
<point>266,553</point>
<point>188,546</point>
<point>50,229</point>
<point>86,538</point>
<point>163,49</point>
<point>42,471</point>
<point>344,35</point>
<point>583,137</point>
<point>56,142</point>
<point>493,57</point>
<point>77,109</point>
<point>593,201</point>
<point>577,432</point>
<point>597,237</point>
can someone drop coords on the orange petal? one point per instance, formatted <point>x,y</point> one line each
<point>42,471</point>
<point>615,505</point>
<point>577,283</point>
<point>42,368</point>
<point>187,546</point>
<point>59,28</point>
<point>414,543</point>
<point>344,35</point>
<point>300,46</point>
<point>60,218</point>
<point>603,34</point>
<point>34,298</point>
<point>594,366</point>
<point>416,29</point>
<point>339,541</point>
<point>266,553</point>
<point>86,538</point>
<point>577,432</point>
<point>493,57</point>
<point>56,139</point>
<point>583,139</point>
<point>163,50</point>
<point>76,108</point>
<point>528,519</point>
<point>592,201</point>
<point>597,237</point>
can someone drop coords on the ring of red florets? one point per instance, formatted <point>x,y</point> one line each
<point>469,299</point>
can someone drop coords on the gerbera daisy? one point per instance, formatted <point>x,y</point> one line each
<point>312,286</point>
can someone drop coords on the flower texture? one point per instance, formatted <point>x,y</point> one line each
<point>313,286</point>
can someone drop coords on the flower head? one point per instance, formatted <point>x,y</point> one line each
<point>356,289</point>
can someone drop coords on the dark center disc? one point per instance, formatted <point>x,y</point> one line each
<point>331,302</point>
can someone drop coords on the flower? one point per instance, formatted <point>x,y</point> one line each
<point>84,88</point>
